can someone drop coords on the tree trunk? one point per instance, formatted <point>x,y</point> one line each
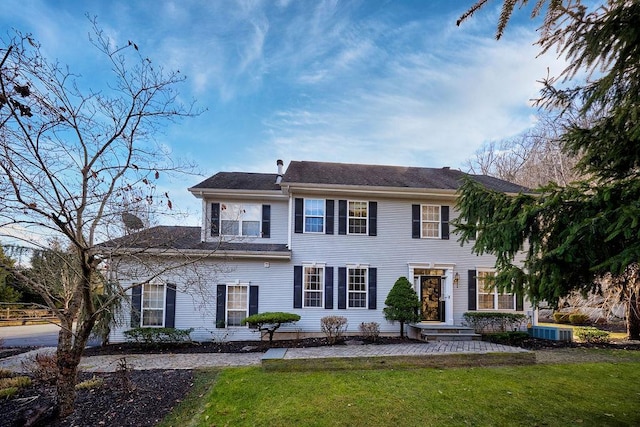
<point>633,314</point>
<point>67,363</point>
<point>68,355</point>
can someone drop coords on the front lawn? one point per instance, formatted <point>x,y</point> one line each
<point>587,394</point>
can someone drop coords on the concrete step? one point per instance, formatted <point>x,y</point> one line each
<point>430,336</point>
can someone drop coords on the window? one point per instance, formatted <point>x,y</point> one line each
<point>430,221</point>
<point>357,287</point>
<point>240,219</point>
<point>313,286</point>
<point>153,304</point>
<point>488,297</point>
<point>313,216</point>
<point>237,304</point>
<point>357,217</point>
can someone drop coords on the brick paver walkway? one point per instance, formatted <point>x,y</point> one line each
<point>202,360</point>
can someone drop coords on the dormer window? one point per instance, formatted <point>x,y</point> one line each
<point>240,220</point>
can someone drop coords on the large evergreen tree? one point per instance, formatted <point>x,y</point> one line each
<point>575,234</point>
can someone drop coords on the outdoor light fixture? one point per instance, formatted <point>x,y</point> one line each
<point>456,279</point>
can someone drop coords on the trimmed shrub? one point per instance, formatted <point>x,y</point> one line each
<point>334,328</point>
<point>592,335</point>
<point>370,331</point>
<point>269,322</point>
<point>560,317</point>
<point>578,318</point>
<point>154,336</point>
<point>515,338</point>
<point>402,304</point>
<point>484,322</point>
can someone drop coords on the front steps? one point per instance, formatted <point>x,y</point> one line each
<point>438,332</point>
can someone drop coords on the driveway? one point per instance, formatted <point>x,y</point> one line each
<point>45,335</point>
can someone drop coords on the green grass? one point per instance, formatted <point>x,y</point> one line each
<point>590,394</point>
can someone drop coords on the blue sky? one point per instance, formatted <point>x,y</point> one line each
<point>372,81</point>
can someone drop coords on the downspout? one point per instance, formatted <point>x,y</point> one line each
<point>289,222</point>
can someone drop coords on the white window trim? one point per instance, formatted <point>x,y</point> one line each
<point>366,285</point>
<point>164,305</point>
<point>240,221</point>
<point>226,308</point>
<point>304,217</point>
<point>304,290</point>
<point>366,218</point>
<point>494,292</point>
<point>422,221</point>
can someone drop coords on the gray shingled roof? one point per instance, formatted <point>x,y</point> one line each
<point>241,181</point>
<point>387,176</point>
<point>185,238</point>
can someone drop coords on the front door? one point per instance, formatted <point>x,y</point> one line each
<point>431,298</point>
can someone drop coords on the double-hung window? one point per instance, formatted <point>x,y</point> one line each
<point>237,304</point>
<point>240,219</point>
<point>313,286</point>
<point>314,215</point>
<point>430,221</point>
<point>489,298</point>
<point>153,297</point>
<point>357,216</point>
<point>357,287</point>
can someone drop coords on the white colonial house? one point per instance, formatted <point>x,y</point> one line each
<point>320,239</point>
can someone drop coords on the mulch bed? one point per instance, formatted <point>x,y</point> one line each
<point>143,398</point>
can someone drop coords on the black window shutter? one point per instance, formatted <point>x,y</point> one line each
<point>170,307</point>
<point>444,222</point>
<point>266,221</point>
<point>221,303</point>
<point>215,219</point>
<point>298,215</point>
<point>415,221</point>
<point>329,216</point>
<point>328,288</point>
<point>253,300</point>
<point>472,290</point>
<point>519,302</point>
<point>373,218</point>
<point>297,286</point>
<point>342,217</point>
<point>136,305</point>
<point>342,288</point>
<point>373,288</point>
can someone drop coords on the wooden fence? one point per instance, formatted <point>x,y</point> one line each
<point>24,313</point>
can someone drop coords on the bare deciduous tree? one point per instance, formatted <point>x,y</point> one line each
<point>532,159</point>
<point>68,157</point>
